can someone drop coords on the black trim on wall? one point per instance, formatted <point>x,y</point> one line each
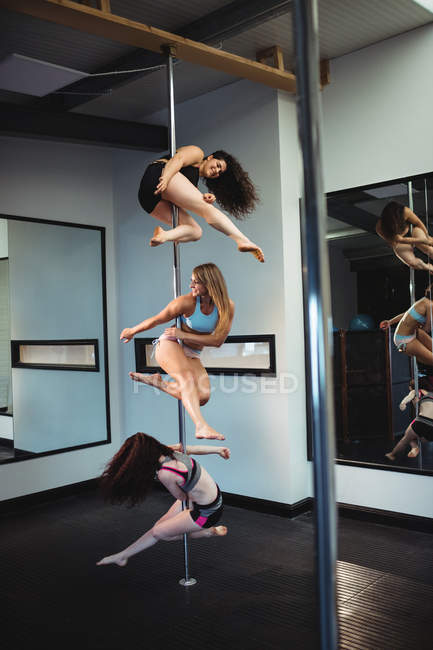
<point>16,363</point>
<point>386,517</point>
<point>368,465</point>
<point>269,507</point>
<point>140,356</point>
<point>102,231</point>
<point>386,468</point>
<point>19,505</point>
<point>360,188</point>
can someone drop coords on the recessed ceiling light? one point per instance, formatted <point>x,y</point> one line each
<point>21,74</point>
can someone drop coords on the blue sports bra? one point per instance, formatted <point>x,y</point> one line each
<point>200,322</point>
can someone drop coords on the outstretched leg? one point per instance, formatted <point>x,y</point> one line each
<point>165,529</point>
<point>409,438</point>
<point>171,358</point>
<point>182,193</point>
<point>201,380</point>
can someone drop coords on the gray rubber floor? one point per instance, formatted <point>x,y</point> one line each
<point>255,590</point>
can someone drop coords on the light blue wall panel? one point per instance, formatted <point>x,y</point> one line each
<point>56,293</point>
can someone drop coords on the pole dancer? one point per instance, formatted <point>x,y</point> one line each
<point>129,477</point>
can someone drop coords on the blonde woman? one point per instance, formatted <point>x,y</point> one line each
<point>207,315</point>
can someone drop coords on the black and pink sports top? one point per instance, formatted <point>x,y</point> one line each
<point>190,476</point>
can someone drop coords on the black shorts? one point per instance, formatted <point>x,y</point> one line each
<point>423,429</point>
<point>208,515</point>
<point>146,194</point>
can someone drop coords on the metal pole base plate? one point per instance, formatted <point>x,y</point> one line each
<point>188,583</point>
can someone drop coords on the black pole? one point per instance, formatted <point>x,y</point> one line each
<point>318,326</point>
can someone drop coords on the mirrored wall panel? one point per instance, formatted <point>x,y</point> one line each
<point>53,350</point>
<point>381,263</point>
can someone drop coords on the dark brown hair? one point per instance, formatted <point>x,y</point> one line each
<point>129,475</point>
<point>392,220</point>
<point>233,189</point>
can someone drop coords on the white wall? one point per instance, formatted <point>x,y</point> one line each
<point>265,429</point>
<point>67,183</point>
<point>378,126</point>
<point>378,112</point>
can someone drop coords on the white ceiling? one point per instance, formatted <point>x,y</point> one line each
<point>344,25</point>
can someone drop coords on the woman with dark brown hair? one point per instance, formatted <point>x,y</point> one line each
<point>207,315</point>
<point>394,227</point>
<point>169,181</point>
<point>130,474</point>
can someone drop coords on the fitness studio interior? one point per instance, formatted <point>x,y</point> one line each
<point>311,396</point>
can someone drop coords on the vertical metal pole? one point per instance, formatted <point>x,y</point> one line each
<point>187,581</point>
<point>313,222</point>
<point>414,364</point>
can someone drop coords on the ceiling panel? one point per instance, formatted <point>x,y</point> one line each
<point>345,26</point>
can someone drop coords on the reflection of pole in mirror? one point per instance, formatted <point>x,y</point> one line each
<point>377,356</point>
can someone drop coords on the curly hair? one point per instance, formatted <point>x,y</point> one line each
<point>392,220</point>
<point>129,475</point>
<point>233,189</point>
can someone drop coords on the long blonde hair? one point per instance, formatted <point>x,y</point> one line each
<point>210,275</point>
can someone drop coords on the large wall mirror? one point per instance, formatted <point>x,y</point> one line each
<point>53,338</point>
<point>369,285</point>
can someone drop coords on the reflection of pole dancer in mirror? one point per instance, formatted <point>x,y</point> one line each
<point>207,315</point>
<point>394,227</point>
<point>129,476</point>
<point>411,335</point>
<point>169,181</point>
<point>422,426</point>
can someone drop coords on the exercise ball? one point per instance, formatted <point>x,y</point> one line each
<point>361,322</point>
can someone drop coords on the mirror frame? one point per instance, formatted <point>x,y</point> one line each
<point>104,346</point>
<point>340,461</point>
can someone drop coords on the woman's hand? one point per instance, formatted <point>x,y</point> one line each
<point>127,334</point>
<point>224,452</point>
<point>175,332</point>
<point>209,198</point>
<point>384,324</point>
<point>162,185</point>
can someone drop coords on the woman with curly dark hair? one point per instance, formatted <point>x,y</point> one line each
<point>169,181</point>
<point>394,227</point>
<point>130,475</point>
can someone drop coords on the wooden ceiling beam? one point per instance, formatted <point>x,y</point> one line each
<point>106,25</point>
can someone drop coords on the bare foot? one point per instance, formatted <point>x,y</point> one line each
<point>158,237</point>
<point>151,380</point>
<point>390,456</point>
<point>207,432</point>
<point>413,452</point>
<point>219,531</point>
<point>113,559</point>
<point>249,247</point>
